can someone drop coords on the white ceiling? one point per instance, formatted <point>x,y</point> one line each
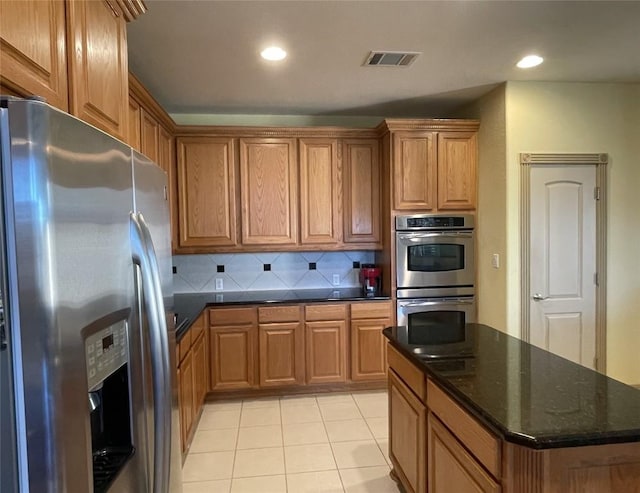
<point>203,56</point>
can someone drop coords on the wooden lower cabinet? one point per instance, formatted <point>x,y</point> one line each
<point>185,379</point>
<point>281,354</point>
<point>368,345</point>
<point>325,351</point>
<point>368,355</point>
<point>199,373</point>
<point>233,357</point>
<point>191,353</point>
<point>450,468</point>
<point>407,435</point>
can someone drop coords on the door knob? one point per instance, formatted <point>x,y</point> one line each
<point>538,297</point>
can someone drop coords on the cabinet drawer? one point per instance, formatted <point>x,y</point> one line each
<point>232,316</point>
<point>270,314</point>
<point>410,374</point>
<point>314,313</point>
<point>197,328</point>
<point>371,309</point>
<point>478,440</point>
<point>184,345</point>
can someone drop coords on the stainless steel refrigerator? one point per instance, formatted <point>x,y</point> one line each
<point>88,394</point>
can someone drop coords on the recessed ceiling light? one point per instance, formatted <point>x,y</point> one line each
<point>273,53</point>
<point>530,61</point>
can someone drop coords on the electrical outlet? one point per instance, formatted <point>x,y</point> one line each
<point>336,279</point>
<point>219,284</point>
<point>495,261</point>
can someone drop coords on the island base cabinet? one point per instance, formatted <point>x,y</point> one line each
<point>450,468</point>
<point>407,435</point>
<point>611,468</point>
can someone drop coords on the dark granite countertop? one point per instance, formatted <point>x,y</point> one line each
<point>530,396</point>
<point>189,306</point>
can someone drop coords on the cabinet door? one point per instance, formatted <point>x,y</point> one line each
<point>457,162</point>
<point>165,161</point>
<point>186,398</point>
<point>368,355</point>
<point>268,190</point>
<point>135,116</point>
<point>414,171</point>
<point>199,374</point>
<point>206,192</point>
<point>325,342</point>
<point>407,435</point>
<point>281,354</point>
<point>450,467</point>
<point>361,170</point>
<point>98,66</point>
<point>149,129</point>
<point>33,57</point>
<point>232,357</point>
<point>320,192</point>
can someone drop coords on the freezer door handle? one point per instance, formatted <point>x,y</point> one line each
<point>144,255</point>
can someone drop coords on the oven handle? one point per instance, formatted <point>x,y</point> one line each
<point>449,234</point>
<point>440,301</point>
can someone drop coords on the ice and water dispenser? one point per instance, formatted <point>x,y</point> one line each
<point>107,358</point>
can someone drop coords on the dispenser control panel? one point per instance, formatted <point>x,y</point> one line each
<point>105,352</point>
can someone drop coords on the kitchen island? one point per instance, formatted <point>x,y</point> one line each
<point>511,418</point>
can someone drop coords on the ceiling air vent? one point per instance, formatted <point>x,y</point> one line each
<point>391,58</point>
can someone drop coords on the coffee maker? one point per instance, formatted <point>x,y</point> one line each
<point>370,278</point>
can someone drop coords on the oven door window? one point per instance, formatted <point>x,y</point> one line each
<point>436,327</point>
<point>435,257</point>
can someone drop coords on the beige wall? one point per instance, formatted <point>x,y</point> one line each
<point>561,117</point>
<point>491,238</point>
<point>586,117</point>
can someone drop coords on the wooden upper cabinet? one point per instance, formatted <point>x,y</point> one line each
<point>457,161</point>
<point>320,192</point>
<point>269,191</point>
<point>414,171</point>
<point>165,156</point>
<point>149,136</point>
<point>33,54</point>
<point>206,192</point>
<point>361,168</point>
<point>98,67</point>
<point>135,115</point>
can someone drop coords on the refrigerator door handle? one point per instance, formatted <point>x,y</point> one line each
<point>143,255</point>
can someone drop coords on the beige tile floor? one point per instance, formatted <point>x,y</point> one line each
<point>327,443</point>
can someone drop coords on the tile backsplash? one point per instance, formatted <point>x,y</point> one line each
<point>268,271</point>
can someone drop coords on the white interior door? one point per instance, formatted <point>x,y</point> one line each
<point>563,261</point>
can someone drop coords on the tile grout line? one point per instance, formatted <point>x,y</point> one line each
<point>284,456</point>
<point>324,424</point>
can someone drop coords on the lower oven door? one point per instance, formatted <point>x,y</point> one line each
<point>439,326</point>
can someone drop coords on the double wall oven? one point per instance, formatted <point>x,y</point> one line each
<point>435,281</point>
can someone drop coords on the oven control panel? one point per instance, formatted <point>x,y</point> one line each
<point>105,352</point>
<point>434,221</point>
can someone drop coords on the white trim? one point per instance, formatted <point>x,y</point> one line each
<point>599,161</point>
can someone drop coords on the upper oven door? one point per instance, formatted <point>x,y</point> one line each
<point>430,259</point>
